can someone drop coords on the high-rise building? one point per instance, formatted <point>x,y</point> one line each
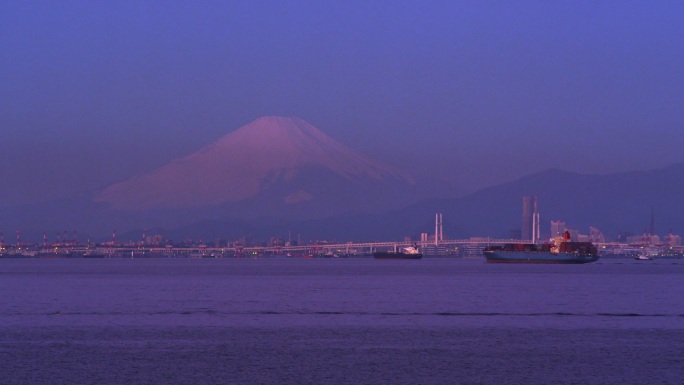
<point>557,228</point>
<point>595,235</point>
<point>530,219</point>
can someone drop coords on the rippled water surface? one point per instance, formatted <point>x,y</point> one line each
<point>340,321</point>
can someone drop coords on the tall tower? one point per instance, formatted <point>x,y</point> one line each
<point>439,230</point>
<point>530,219</point>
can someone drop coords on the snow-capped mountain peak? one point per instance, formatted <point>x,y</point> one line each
<point>244,163</point>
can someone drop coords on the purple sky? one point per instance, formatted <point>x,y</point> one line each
<point>93,92</point>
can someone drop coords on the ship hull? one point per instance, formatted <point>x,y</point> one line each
<point>537,257</point>
<point>388,255</point>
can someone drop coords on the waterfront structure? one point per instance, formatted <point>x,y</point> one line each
<point>672,239</point>
<point>595,235</point>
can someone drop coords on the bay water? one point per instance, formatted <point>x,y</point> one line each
<point>340,321</point>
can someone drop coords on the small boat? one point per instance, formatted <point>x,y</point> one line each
<point>93,254</point>
<point>643,257</point>
<point>410,252</point>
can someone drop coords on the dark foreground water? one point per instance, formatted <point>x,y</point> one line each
<point>340,321</point>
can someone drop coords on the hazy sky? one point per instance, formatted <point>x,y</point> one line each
<point>92,92</point>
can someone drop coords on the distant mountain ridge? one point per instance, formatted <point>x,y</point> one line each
<point>278,174</point>
<point>615,203</point>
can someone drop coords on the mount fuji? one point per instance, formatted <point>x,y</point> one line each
<point>273,166</point>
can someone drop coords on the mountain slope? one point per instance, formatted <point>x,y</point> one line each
<point>274,166</point>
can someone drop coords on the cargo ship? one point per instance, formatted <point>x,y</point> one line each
<point>410,252</point>
<point>560,250</point>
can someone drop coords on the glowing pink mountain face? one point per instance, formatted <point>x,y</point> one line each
<point>242,164</point>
